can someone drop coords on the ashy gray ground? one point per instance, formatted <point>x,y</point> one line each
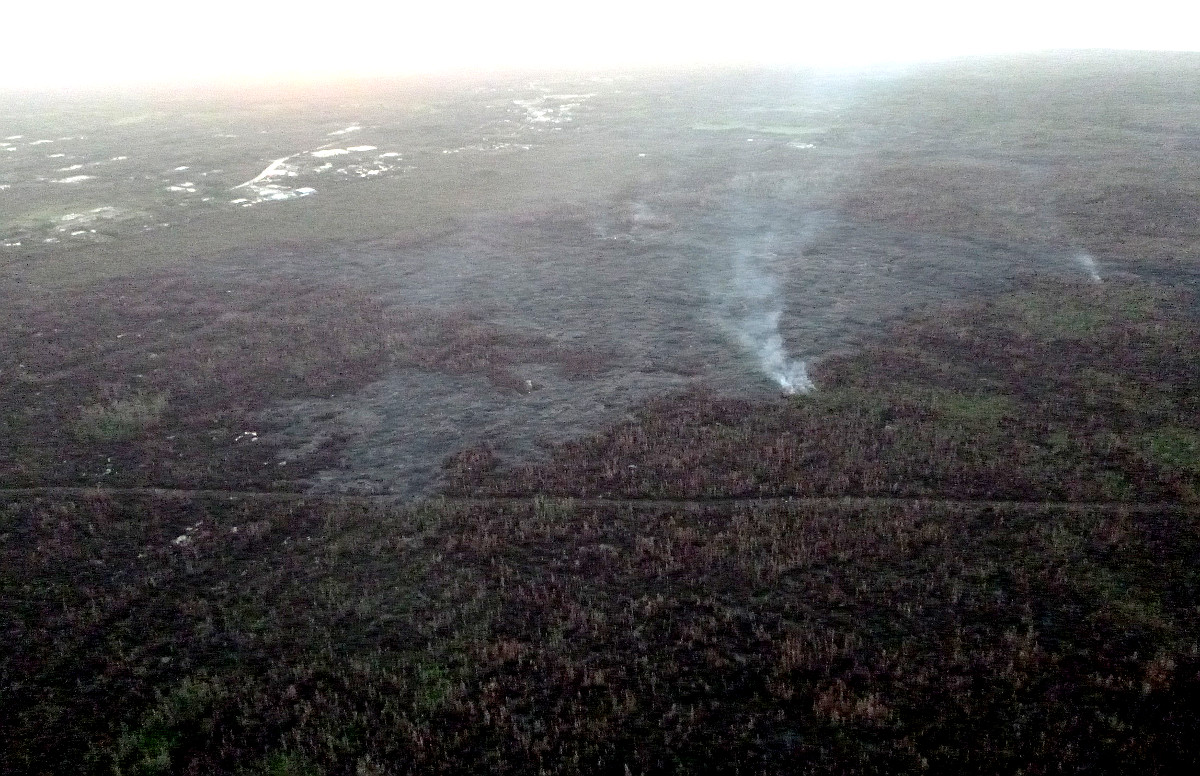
<point>712,229</point>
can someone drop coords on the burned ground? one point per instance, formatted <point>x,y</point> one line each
<point>972,549</point>
<point>1057,392</point>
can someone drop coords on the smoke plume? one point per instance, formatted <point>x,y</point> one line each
<point>1089,265</point>
<point>754,305</point>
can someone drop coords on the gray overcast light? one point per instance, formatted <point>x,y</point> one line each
<point>132,41</point>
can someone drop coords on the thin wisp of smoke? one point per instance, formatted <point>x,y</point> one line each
<point>752,315</point>
<point>1089,265</point>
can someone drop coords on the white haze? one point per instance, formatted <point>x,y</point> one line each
<point>85,43</point>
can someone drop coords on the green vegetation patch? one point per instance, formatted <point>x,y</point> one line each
<point>1044,316</point>
<point>973,410</point>
<point>1087,310</point>
<point>1177,451</point>
<point>119,420</point>
<point>1175,447</point>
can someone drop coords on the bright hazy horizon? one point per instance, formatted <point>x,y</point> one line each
<point>83,43</point>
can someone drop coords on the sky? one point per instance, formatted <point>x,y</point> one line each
<point>82,43</point>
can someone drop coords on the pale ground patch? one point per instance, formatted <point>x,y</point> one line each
<point>273,193</point>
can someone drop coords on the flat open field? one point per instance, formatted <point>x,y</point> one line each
<point>410,427</point>
<point>425,267</point>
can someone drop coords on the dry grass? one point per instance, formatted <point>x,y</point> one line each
<point>573,638</point>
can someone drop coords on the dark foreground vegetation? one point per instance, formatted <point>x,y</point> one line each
<point>156,636</point>
<point>912,608</point>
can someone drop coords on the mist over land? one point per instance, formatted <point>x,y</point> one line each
<point>824,385</point>
<point>672,230</point>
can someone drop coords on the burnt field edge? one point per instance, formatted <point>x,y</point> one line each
<point>385,500</point>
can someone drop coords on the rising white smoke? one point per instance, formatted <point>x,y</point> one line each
<point>753,308</point>
<point>1089,264</point>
